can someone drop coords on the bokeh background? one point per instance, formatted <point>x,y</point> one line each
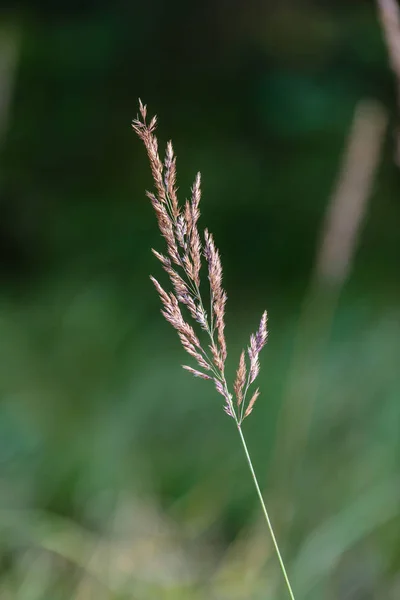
<point>121,477</point>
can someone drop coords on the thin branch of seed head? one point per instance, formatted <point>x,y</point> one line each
<point>196,373</point>
<point>170,179</point>
<point>249,409</point>
<point>194,237</point>
<point>257,342</point>
<point>240,379</point>
<point>166,204</point>
<point>216,291</point>
<point>145,132</point>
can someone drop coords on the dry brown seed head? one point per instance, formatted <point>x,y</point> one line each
<point>183,230</point>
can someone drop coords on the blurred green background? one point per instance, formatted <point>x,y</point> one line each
<point>121,477</point>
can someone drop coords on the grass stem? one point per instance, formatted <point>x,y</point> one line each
<point>264,508</point>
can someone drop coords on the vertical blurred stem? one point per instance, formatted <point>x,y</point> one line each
<point>9,51</point>
<point>389,14</point>
<point>266,515</point>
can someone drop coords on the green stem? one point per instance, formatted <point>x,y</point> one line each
<point>282,564</point>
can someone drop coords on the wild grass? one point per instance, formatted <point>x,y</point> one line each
<point>179,227</point>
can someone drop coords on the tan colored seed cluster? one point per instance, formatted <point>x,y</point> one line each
<point>179,227</point>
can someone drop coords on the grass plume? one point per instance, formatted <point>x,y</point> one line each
<point>186,248</point>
